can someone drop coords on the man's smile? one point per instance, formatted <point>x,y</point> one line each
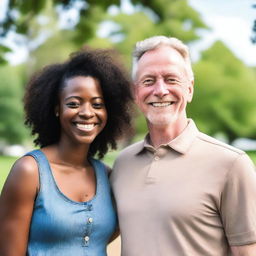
<point>161,104</point>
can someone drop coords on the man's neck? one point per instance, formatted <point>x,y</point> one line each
<point>163,135</point>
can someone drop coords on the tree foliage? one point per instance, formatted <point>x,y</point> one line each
<point>26,10</point>
<point>12,129</point>
<point>225,94</point>
<point>155,17</point>
<point>174,18</point>
<point>21,14</point>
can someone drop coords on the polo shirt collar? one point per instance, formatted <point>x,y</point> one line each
<point>180,144</point>
<point>183,142</point>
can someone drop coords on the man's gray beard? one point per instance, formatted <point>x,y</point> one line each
<point>161,119</point>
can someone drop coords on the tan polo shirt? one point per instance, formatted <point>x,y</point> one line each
<point>193,196</point>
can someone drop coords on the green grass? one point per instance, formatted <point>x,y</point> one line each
<point>6,163</point>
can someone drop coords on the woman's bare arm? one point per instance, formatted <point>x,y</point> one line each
<point>16,207</point>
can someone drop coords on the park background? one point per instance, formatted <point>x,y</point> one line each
<point>220,33</point>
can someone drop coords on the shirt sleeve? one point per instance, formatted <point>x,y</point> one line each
<point>238,202</point>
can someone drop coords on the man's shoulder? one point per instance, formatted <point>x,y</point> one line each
<point>218,145</point>
<point>131,150</point>
<point>126,158</point>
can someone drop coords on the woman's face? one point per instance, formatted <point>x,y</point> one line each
<point>82,112</point>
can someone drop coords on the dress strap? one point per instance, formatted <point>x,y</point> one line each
<point>45,176</point>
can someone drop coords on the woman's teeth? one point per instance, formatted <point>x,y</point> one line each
<point>85,127</point>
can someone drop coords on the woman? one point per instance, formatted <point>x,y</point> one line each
<point>56,200</point>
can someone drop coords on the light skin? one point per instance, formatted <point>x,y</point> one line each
<point>162,89</point>
<point>83,116</point>
<point>245,250</point>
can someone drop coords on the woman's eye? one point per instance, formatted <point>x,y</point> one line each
<point>72,104</point>
<point>98,105</point>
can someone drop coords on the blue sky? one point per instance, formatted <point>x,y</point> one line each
<point>231,21</point>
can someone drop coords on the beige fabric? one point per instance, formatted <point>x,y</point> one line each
<point>194,196</point>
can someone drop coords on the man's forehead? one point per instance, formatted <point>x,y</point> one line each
<point>161,56</point>
<point>160,69</point>
<point>164,72</point>
<point>163,51</point>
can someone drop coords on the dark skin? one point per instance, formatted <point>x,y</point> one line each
<point>82,115</point>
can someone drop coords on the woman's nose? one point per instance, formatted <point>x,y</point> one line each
<point>86,111</point>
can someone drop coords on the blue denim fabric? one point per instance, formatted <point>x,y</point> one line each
<point>63,227</point>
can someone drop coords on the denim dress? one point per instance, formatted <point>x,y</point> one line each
<point>63,227</point>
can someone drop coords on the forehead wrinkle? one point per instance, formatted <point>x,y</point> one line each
<point>160,73</point>
<point>169,59</point>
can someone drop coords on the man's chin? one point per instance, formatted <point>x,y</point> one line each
<point>161,121</point>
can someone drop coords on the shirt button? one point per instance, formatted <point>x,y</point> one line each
<point>90,220</point>
<point>157,158</point>
<point>86,238</point>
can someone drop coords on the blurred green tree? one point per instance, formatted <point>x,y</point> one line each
<point>155,17</point>
<point>12,129</point>
<point>174,18</point>
<point>225,94</point>
<point>22,16</point>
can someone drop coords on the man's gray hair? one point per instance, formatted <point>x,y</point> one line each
<point>154,42</point>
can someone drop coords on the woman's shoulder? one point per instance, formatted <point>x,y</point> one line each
<point>24,174</point>
<point>26,166</point>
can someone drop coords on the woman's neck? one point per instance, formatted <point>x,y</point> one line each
<point>73,155</point>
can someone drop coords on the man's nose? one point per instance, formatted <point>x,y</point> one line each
<point>160,88</point>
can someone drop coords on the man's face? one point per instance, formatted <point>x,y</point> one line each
<point>163,87</point>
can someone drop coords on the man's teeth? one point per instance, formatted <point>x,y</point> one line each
<point>85,127</point>
<point>161,104</point>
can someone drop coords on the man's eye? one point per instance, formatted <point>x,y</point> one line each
<point>173,81</point>
<point>148,82</point>
<point>72,104</point>
<point>98,105</point>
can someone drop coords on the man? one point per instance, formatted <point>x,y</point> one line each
<point>180,192</point>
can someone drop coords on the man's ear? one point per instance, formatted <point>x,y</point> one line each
<point>190,90</point>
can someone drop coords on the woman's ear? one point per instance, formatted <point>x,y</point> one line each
<point>56,111</point>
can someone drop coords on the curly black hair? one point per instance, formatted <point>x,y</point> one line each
<point>43,90</point>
